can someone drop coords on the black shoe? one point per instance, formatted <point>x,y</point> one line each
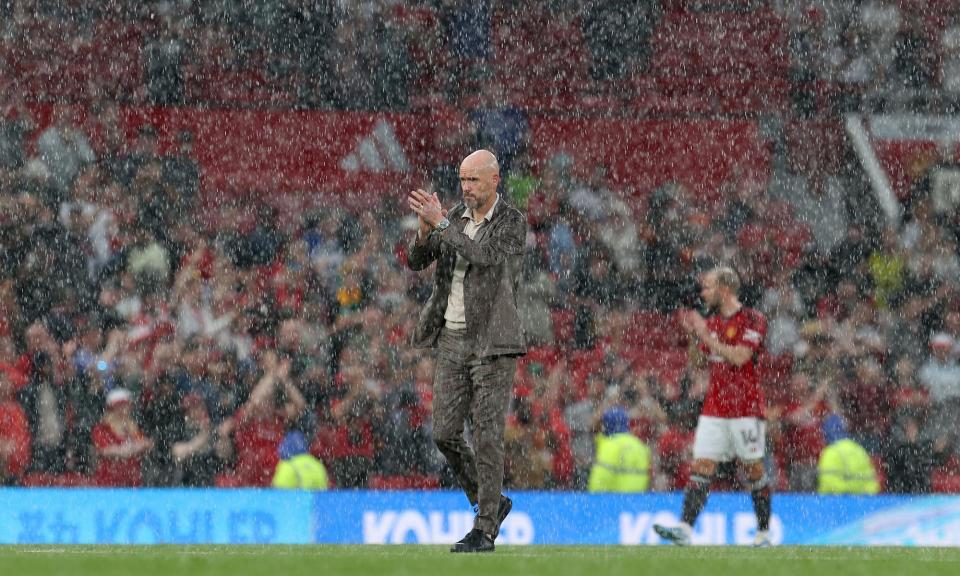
<point>474,541</point>
<point>503,509</point>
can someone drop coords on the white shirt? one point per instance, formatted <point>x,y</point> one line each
<point>456,315</point>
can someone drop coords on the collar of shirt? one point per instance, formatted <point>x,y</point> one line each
<point>468,213</point>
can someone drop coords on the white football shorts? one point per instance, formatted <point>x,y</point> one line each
<point>723,439</point>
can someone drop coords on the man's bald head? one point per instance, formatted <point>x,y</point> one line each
<point>482,160</point>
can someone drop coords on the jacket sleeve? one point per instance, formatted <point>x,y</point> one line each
<point>507,240</point>
<point>422,254</point>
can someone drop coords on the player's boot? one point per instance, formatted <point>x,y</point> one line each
<point>762,539</point>
<point>679,535</point>
<point>474,541</point>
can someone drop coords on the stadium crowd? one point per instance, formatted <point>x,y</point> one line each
<point>138,347</point>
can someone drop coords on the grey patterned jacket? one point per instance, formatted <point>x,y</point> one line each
<point>495,258</point>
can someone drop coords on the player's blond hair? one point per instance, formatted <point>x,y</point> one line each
<point>728,277</point>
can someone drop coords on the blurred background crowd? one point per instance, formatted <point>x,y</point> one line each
<point>141,345</point>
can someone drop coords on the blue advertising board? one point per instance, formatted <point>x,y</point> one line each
<point>250,516</point>
<point>154,516</point>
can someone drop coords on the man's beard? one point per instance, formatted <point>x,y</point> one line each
<point>472,202</point>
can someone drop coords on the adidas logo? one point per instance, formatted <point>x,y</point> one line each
<point>378,151</point>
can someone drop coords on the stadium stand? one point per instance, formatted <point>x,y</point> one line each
<point>263,219</point>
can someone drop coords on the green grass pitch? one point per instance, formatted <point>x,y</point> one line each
<point>506,561</point>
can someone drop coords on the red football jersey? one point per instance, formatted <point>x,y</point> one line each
<point>734,391</point>
<point>115,471</point>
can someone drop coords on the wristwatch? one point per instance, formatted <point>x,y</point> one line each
<point>442,225</point>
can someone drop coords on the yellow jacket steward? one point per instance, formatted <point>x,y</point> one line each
<point>845,468</point>
<point>302,472</point>
<point>622,464</point>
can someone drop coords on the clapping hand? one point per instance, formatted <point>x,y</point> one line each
<point>427,207</point>
<point>693,323</point>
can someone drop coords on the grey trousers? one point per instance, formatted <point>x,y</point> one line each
<point>478,390</point>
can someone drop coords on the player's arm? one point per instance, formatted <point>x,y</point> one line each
<point>695,355</point>
<point>736,354</point>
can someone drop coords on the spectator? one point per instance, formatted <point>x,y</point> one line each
<point>16,122</point>
<point>119,443</point>
<point>194,460</point>
<point>622,460</point>
<point>910,396</point>
<point>499,126</point>
<point>467,25</point>
<point>165,57</point>
<point>801,436</point>
<point>302,32</point>
<point>914,66</point>
<point>950,65</point>
<point>805,44</point>
<point>668,281</point>
<point>259,425</point>
<point>521,184</point>
<point>579,420</point>
<point>14,434</point>
<point>86,305</point>
<point>537,292</point>
<point>407,443</point>
<point>348,434</point>
<point>783,307</point>
<point>911,457</point>
<point>817,197</point>
<point>45,402</point>
<point>182,172</point>
<point>563,246</point>
<point>940,374</point>
<point>887,269</point>
<point>527,460</point>
<point>844,467</point>
<point>297,469</point>
<point>163,422</point>
<point>391,85</point>
<point>864,397</point>
<point>64,150</point>
<point>125,166</point>
<point>148,262</point>
<point>92,373</point>
<point>617,33</point>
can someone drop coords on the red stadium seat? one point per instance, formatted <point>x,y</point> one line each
<point>734,62</point>
<point>546,355</point>
<point>65,480</point>
<point>774,373</point>
<point>227,480</point>
<point>403,482</point>
<point>651,329</point>
<point>667,365</point>
<point>583,363</point>
<point>944,481</point>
